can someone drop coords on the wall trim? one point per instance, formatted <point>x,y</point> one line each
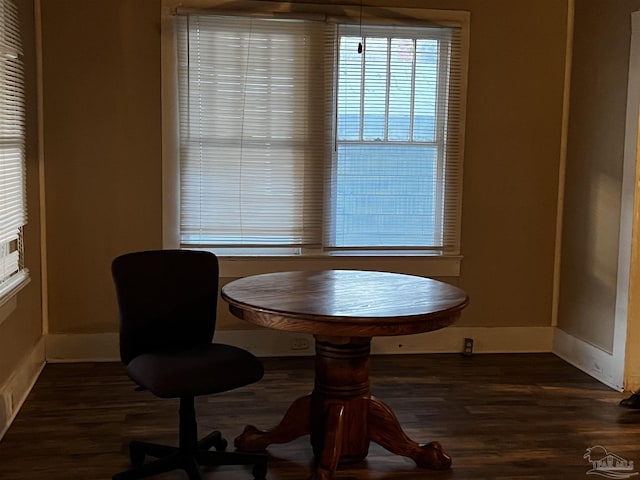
<point>485,340</point>
<point>44,284</point>
<point>16,389</point>
<point>562,167</point>
<point>270,343</point>
<point>627,315</point>
<point>592,360</point>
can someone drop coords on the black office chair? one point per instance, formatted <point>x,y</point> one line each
<point>167,301</point>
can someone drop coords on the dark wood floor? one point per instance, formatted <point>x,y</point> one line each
<point>524,417</point>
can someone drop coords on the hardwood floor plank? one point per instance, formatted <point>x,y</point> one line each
<point>500,417</point>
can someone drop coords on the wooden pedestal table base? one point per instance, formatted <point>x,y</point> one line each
<point>341,416</point>
<point>344,310</point>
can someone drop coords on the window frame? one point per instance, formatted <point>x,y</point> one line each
<point>235,265</point>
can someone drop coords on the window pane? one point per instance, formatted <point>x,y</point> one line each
<point>349,89</point>
<point>401,88</point>
<point>375,88</point>
<point>386,195</point>
<point>426,90</point>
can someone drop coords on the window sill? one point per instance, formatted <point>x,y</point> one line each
<point>422,265</point>
<point>9,301</point>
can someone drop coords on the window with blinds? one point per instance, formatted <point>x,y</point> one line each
<point>293,139</point>
<point>13,214</point>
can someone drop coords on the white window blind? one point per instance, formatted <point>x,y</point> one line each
<point>252,130</point>
<point>291,138</point>
<point>13,214</point>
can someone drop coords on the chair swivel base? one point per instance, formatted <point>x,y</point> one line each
<point>173,458</point>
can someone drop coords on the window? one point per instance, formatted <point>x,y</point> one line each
<point>291,140</point>
<point>12,152</point>
<point>391,187</point>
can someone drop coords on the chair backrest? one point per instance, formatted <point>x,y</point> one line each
<point>167,300</point>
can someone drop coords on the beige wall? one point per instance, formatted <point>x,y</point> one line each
<point>512,160</point>
<point>594,170</point>
<point>103,154</point>
<point>102,146</point>
<point>22,329</point>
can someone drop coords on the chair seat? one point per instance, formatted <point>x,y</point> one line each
<point>200,370</point>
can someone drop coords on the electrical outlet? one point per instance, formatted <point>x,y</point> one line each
<point>299,343</point>
<point>468,347</point>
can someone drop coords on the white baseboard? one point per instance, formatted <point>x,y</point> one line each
<point>15,390</point>
<point>271,343</point>
<point>601,365</point>
<point>485,340</point>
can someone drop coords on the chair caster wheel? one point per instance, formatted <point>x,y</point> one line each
<point>136,455</point>
<point>222,445</point>
<point>213,440</point>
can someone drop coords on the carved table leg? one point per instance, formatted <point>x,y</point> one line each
<point>328,459</point>
<point>294,424</point>
<point>385,430</point>
<point>341,416</point>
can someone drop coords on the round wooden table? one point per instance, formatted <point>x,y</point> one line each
<point>344,309</point>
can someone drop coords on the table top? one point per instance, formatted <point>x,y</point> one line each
<point>345,302</point>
